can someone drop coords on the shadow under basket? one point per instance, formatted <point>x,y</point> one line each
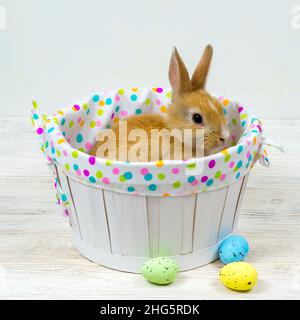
<point>123,231</point>
<point>121,214</point>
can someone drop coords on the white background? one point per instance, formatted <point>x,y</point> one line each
<point>62,50</point>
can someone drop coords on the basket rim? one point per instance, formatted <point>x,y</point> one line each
<point>250,133</point>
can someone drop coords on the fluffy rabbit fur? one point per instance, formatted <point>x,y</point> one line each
<point>192,107</point>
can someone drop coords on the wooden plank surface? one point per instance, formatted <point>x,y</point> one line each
<point>38,260</point>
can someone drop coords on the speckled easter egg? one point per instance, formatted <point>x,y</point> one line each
<point>239,276</point>
<point>234,248</point>
<point>160,270</point>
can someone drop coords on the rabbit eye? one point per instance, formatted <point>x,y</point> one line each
<point>197,118</point>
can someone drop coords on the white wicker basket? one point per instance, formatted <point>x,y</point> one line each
<point>125,213</point>
<point>122,231</point>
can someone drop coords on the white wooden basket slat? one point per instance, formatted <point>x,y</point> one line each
<point>208,217</point>
<point>240,201</point>
<point>188,213</point>
<point>230,204</point>
<point>121,231</point>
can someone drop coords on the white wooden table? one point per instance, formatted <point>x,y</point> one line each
<point>38,261</point>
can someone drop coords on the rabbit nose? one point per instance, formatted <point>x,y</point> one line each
<point>224,135</point>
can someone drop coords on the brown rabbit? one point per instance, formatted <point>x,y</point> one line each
<point>192,107</point>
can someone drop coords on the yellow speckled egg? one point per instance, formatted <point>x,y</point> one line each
<point>240,276</point>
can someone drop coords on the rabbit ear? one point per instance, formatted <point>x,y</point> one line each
<point>178,74</point>
<point>200,74</point>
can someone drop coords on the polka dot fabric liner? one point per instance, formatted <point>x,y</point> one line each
<point>67,137</point>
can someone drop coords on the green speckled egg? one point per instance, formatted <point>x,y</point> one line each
<point>160,270</point>
<point>240,276</point>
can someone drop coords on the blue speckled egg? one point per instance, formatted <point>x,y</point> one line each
<point>234,248</point>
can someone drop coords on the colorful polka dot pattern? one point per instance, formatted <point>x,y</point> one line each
<point>67,137</point>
